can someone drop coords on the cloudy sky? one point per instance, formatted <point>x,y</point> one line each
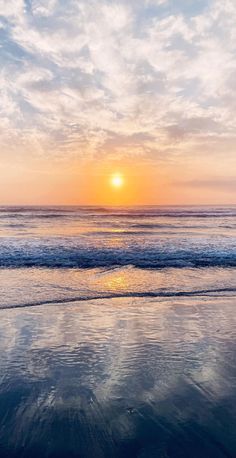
<point>146,87</point>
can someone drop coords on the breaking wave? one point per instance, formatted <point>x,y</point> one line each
<point>149,258</point>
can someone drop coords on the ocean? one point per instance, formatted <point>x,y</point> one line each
<point>118,332</point>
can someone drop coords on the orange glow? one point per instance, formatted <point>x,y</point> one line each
<point>118,183</point>
<point>40,181</point>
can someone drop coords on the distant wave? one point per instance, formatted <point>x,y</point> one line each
<point>61,256</point>
<point>121,212</point>
<point>223,292</point>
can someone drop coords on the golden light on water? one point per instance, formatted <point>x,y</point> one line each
<point>117,180</point>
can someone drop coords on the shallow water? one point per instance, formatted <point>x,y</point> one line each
<point>104,357</point>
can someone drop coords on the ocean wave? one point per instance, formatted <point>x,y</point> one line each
<point>121,212</point>
<point>59,256</point>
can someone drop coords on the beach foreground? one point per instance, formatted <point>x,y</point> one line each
<point>121,377</point>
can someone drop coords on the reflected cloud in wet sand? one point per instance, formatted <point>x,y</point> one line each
<point>121,377</point>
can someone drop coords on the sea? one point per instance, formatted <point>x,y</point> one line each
<point>118,332</point>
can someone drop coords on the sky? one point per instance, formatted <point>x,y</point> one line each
<point>144,88</point>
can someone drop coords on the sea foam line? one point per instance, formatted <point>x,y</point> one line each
<point>165,294</point>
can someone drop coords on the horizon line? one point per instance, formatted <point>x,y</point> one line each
<point>115,206</point>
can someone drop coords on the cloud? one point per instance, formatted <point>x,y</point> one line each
<point>73,77</point>
<point>226,185</point>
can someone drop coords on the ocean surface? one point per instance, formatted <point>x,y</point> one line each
<point>117,332</point>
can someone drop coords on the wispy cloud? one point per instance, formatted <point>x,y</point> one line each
<point>89,77</point>
<point>227,185</point>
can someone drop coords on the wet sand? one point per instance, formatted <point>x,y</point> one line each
<point>128,377</point>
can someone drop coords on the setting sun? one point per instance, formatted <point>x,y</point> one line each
<point>117,180</point>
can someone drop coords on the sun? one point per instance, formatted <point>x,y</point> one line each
<point>117,180</point>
